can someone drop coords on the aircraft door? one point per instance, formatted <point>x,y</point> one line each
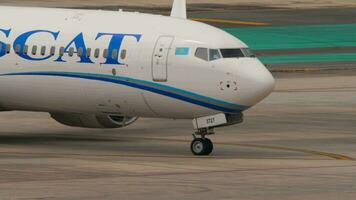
<point>160,59</point>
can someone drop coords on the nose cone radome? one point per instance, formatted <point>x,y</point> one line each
<point>265,84</point>
<point>255,81</point>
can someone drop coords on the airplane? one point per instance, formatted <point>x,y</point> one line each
<point>105,69</point>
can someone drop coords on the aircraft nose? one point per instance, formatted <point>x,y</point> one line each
<point>256,82</point>
<point>264,80</point>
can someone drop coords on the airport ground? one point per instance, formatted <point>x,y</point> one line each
<point>300,143</point>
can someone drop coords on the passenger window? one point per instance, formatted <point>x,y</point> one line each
<point>8,48</point>
<point>80,52</point>
<point>61,51</point>
<point>34,50</point>
<point>114,54</point>
<point>123,54</point>
<point>105,54</point>
<point>88,53</point>
<point>17,48</point>
<point>71,52</point>
<point>53,51</point>
<point>43,50</point>
<point>25,49</point>
<point>202,53</point>
<point>97,53</point>
<point>214,54</point>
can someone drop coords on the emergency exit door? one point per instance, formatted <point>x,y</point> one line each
<point>160,58</point>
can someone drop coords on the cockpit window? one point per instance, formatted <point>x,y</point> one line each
<point>248,53</point>
<point>202,53</point>
<point>232,53</point>
<point>236,53</point>
<point>214,54</point>
<point>208,54</point>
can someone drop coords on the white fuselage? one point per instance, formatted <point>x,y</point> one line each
<point>150,68</point>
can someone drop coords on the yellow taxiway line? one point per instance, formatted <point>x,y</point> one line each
<point>225,21</point>
<point>258,146</point>
<point>306,151</point>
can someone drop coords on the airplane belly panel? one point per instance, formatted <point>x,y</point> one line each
<point>43,94</point>
<point>174,107</point>
<point>117,99</point>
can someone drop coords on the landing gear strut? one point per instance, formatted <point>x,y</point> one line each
<point>202,146</point>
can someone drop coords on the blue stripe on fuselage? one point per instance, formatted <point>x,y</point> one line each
<point>165,90</point>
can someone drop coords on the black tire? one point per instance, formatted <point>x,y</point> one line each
<point>201,147</point>
<point>210,146</point>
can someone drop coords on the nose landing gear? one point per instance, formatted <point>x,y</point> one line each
<point>202,146</point>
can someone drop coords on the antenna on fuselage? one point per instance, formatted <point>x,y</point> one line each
<point>179,9</point>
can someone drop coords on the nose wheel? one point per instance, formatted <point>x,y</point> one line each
<point>202,146</point>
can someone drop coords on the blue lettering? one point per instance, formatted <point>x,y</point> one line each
<point>2,44</point>
<point>78,41</point>
<point>115,43</point>
<point>22,39</point>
